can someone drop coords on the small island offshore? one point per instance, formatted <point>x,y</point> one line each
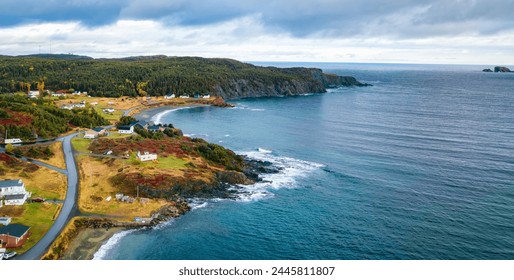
<point>77,167</point>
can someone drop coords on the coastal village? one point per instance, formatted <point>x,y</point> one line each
<point>75,160</point>
<point>33,189</point>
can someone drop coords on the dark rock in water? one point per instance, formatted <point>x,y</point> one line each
<point>501,69</point>
<point>487,70</point>
<point>255,167</point>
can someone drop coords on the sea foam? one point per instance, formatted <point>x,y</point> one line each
<point>157,118</point>
<point>290,170</point>
<point>110,244</point>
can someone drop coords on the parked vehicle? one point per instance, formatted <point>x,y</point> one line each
<point>38,199</point>
<point>9,255</point>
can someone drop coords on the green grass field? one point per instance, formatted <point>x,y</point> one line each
<point>116,135</point>
<point>115,116</point>
<point>80,144</point>
<point>39,217</point>
<point>169,162</point>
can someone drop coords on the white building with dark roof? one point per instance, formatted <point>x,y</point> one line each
<point>13,192</point>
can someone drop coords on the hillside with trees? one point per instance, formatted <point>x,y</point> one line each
<point>28,119</point>
<point>158,76</point>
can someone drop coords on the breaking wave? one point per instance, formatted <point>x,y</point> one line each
<point>246,107</point>
<point>157,118</point>
<point>110,244</point>
<point>289,171</point>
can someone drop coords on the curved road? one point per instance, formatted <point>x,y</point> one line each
<point>68,209</point>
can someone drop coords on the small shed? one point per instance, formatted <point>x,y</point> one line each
<point>5,221</point>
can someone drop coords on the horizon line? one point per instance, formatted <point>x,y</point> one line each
<point>256,61</point>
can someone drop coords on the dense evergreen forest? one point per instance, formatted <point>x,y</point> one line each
<point>21,117</point>
<point>137,76</point>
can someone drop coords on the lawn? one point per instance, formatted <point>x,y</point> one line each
<point>116,135</point>
<point>39,217</point>
<point>80,144</point>
<point>113,117</point>
<point>169,162</point>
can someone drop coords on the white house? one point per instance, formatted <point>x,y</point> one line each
<point>13,141</point>
<point>13,192</point>
<point>94,133</point>
<point>67,107</point>
<point>80,105</point>
<point>126,129</point>
<point>146,156</point>
<point>33,93</point>
<point>184,96</point>
<point>57,94</point>
<point>109,110</point>
<point>206,96</point>
<point>169,96</point>
<point>90,134</point>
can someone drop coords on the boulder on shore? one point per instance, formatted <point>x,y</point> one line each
<point>487,70</point>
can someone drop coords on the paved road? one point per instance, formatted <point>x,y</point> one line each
<point>68,209</point>
<point>37,162</point>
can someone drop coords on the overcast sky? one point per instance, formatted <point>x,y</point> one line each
<point>417,31</point>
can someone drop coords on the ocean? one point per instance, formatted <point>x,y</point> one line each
<point>418,166</point>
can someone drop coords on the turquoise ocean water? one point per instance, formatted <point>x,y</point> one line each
<point>419,166</point>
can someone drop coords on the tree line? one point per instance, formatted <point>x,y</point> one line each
<point>37,118</point>
<point>136,76</point>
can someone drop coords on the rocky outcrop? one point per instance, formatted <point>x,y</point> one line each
<point>487,70</point>
<point>289,81</point>
<point>181,189</point>
<point>501,69</point>
<point>333,81</point>
<point>167,212</point>
<point>233,178</point>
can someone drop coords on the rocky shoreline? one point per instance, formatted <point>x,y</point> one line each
<point>86,235</point>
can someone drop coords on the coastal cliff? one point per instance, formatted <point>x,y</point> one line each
<point>306,80</point>
<point>162,75</point>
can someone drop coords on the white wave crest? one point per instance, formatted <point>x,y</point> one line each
<point>157,118</point>
<point>197,203</point>
<point>246,107</point>
<point>290,171</point>
<point>110,244</point>
<point>264,151</point>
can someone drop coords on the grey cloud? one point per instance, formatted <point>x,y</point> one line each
<point>300,18</point>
